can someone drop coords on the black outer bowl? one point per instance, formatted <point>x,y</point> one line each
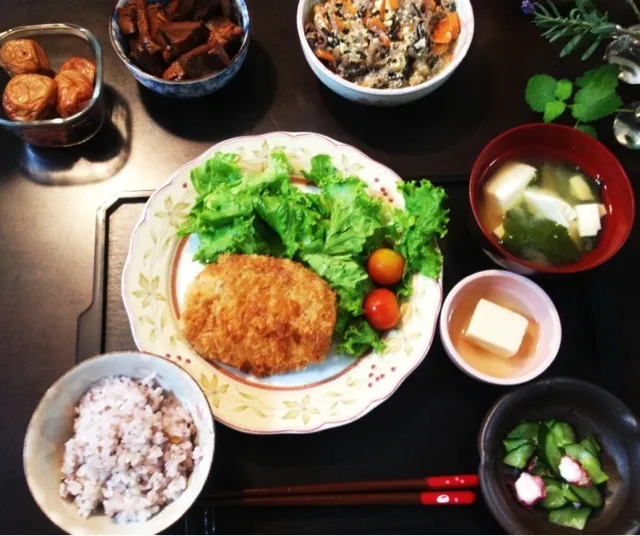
<point>587,408</point>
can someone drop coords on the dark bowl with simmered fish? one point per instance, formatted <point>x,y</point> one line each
<point>555,143</point>
<point>589,409</point>
<point>181,48</point>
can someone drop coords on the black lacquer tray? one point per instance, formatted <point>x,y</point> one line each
<point>428,427</point>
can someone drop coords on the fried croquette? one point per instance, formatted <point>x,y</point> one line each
<point>259,314</point>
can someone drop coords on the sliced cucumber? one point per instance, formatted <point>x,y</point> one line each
<point>590,462</point>
<point>549,449</point>
<point>520,456</point>
<point>563,433</point>
<point>591,445</point>
<point>513,444</point>
<point>569,494</point>
<point>574,518</point>
<point>525,430</point>
<point>555,495</point>
<point>589,495</point>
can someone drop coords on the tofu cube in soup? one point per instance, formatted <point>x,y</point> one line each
<point>549,206</point>
<point>588,219</point>
<point>505,189</point>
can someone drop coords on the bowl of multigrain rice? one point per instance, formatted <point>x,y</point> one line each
<point>384,52</point>
<point>121,444</point>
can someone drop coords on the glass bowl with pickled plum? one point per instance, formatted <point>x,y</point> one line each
<point>51,84</point>
<point>550,199</point>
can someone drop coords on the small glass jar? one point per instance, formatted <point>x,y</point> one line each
<point>60,42</point>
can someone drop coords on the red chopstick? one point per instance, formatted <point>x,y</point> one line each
<point>407,484</point>
<point>424,498</point>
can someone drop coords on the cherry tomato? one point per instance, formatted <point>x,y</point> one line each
<point>385,266</point>
<point>381,309</point>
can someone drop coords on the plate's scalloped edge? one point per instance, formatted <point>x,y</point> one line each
<point>327,423</point>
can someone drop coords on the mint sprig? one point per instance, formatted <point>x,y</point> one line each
<point>540,91</point>
<point>596,97</point>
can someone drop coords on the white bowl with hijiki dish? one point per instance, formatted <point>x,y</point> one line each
<point>384,52</point>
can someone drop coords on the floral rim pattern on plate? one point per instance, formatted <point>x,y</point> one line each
<point>246,405</point>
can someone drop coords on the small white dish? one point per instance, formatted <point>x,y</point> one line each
<point>538,306</point>
<point>52,425</point>
<point>386,97</point>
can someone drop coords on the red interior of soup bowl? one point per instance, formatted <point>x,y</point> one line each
<point>562,143</point>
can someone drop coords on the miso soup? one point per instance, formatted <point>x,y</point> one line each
<point>547,212</point>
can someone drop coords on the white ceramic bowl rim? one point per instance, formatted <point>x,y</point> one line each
<point>182,83</point>
<point>471,371</point>
<point>182,373</point>
<point>462,47</point>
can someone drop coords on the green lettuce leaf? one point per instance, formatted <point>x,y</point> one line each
<point>418,227</point>
<point>347,277</point>
<point>241,237</point>
<point>275,175</point>
<point>355,217</point>
<point>221,170</point>
<point>332,232</point>
<point>322,171</point>
<point>360,337</point>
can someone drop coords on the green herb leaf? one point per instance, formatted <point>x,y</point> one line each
<point>597,97</point>
<point>573,44</point>
<point>553,8</point>
<point>587,129</point>
<point>605,76</point>
<point>553,110</point>
<point>564,90</point>
<point>587,53</point>
<point>592,103</point>
<point>540,91</point>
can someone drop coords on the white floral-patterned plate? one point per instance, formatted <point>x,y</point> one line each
<point>340,390</point>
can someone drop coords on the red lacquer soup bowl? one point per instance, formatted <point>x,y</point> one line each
<point>564,143</point>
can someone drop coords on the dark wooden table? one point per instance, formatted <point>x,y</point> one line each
<point>48,199</point>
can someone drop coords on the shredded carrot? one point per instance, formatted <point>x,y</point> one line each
<point>437,50</point>
<point>455,25</point>
<point>429,5</point>
<point>383,5</point>
<point>376,26</point>
<point>446,29</point>
<point>349,6</point>
<point>393,4</point>
<point>325,55</point>
<point>337,23</point>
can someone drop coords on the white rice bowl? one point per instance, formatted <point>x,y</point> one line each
<point>132,450</point>
<point>126,438</point>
